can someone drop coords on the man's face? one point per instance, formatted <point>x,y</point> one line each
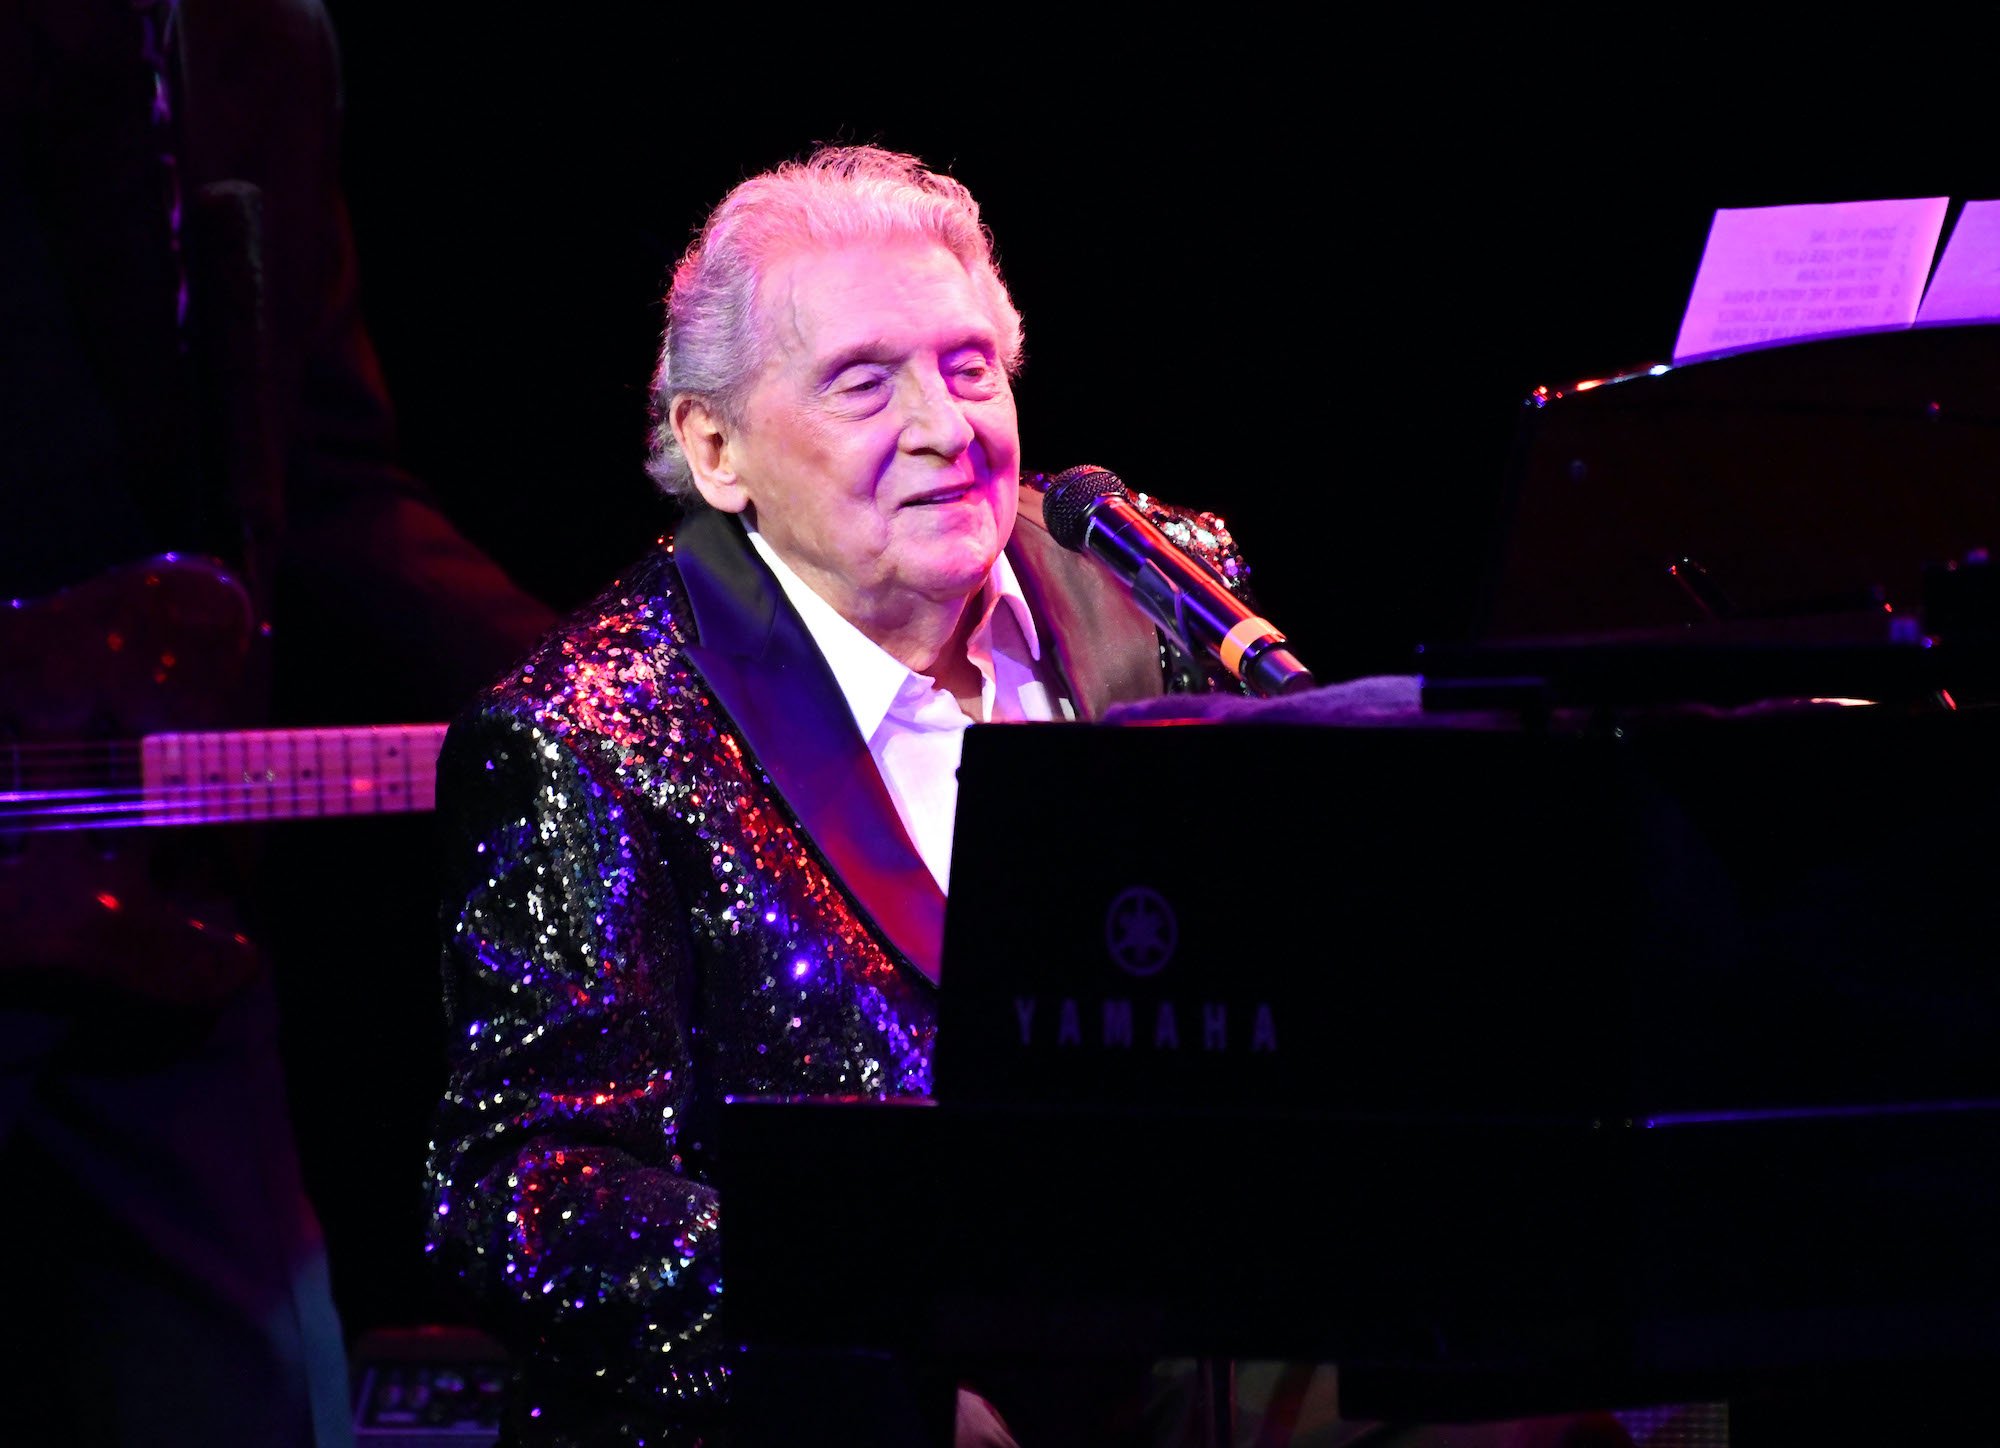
<point>878,451</point>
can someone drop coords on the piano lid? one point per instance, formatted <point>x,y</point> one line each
<point>1813,479</point>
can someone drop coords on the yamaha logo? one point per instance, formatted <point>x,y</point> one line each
<point>1140,931</point>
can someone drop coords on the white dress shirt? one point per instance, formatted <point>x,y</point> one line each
<point>915,729</point>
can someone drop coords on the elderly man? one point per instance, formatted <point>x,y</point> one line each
<point>700,840</point>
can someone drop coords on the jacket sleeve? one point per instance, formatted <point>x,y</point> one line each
<point>564,1191</point>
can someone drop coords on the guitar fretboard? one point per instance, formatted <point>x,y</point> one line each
<point>279,774</point>
<point>221,777</point>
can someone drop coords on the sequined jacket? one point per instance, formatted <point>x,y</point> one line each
<point>673,873</point>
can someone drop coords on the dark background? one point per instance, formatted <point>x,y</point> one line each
<point>1303,277</point>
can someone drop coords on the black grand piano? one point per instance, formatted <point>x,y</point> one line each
<point>1605,1016</point>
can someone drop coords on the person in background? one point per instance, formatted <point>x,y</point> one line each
<point>205,527</point>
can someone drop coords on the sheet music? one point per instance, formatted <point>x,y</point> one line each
<point>1966,287</point>
<point>1773,274</point>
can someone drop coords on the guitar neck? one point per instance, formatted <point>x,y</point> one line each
<point>213,777</point>
<point>286,774</point>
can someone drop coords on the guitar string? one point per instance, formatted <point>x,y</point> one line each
<point>236,805</point>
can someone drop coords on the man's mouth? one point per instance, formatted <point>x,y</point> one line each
<point>941,495</point>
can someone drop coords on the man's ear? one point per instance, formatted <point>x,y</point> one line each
<point>705,439</point>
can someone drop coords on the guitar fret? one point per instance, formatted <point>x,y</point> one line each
<point>209,774</point>
<point>264,784</point>
<point>395,788</point>
<point>261,782</point>
<point>423,781</point>
<point>350,801</point>
<point>241,779</point>
<point>318,737</point>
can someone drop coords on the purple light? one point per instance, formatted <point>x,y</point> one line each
<point>1815,1113</point>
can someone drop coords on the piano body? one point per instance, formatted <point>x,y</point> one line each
<point>1617,1026</point>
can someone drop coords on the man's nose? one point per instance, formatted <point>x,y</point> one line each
<point>936,420</point>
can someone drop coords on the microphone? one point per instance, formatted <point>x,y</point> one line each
<point>1089,511</point>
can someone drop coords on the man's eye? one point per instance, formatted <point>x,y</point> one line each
<point>857,381</point>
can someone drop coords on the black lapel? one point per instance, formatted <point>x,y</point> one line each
<point>765,672</point>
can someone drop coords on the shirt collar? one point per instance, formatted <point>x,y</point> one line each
<point>1003,587</point>
<point>869,676</point>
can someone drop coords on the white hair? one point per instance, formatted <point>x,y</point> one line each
<point>716,342</point>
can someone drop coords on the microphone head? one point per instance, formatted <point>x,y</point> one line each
<point>1066,505</point>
